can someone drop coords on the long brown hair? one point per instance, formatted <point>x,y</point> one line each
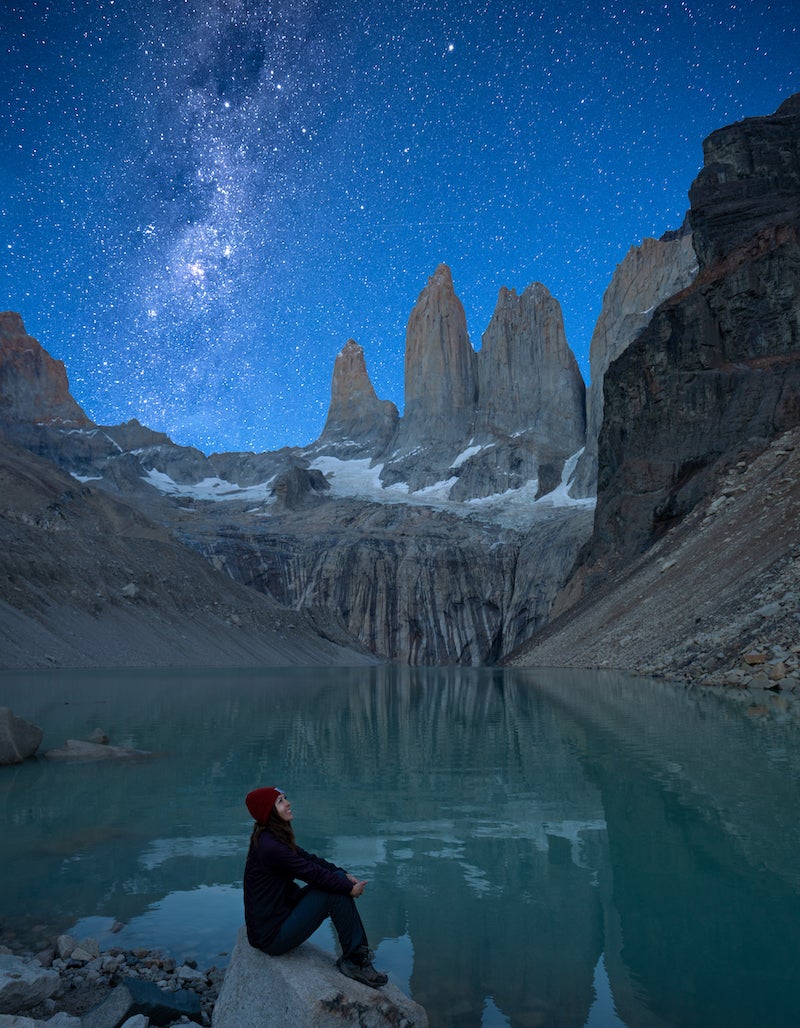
<point>277,828</point>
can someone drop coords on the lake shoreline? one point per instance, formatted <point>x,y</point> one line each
<point>86,983</point>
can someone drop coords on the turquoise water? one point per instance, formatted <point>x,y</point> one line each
<point>542,849</point>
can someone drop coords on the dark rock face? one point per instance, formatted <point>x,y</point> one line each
<point>648,275</point>
<point>717,371</point>
<point>19,738</point>
<point>296,486</point>
<point>749,185</point>
<point>358,423</point>
<point>33,386</point>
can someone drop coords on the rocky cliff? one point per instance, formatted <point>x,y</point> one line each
<point>693,565</point>
<point>649,274</point>
<point>446,535</point>
<point>417,577</point>
<point>358,423</point>
<point>717,370</point>
<point>33,386</point>
<point>485,423</point>
<point>440,387</point>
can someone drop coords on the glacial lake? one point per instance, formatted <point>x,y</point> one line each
<point>542,848</point>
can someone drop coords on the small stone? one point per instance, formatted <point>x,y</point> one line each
<point>190,974</point>
<point>777,672</point>
<point>755,658</point>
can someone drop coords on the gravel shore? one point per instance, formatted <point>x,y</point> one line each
<point>88,976</point>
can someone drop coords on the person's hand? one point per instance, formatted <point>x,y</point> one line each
<point>358,887</point>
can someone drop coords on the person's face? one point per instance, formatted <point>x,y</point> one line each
<point>283,808</point>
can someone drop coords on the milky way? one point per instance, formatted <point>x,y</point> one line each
<point>200,202</point>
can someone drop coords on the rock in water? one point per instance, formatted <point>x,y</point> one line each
<point>134,997</point>
<point>18,738</point>
<point>79,749</point>
<point>305,989</point>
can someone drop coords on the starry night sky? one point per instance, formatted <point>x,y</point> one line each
<point>202,200</point>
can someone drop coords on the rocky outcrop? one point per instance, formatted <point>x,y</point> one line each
<point>358,423</point>
<point>33,386</point>
<point>716,373</point>
<point>648,275</point>
<point>24,984</point>
<point>304,988</point>
<point>296,486</point>
<point>489,422</point>
<point>749,186</point>
<point>409,583</point>
<point>440,386</point>
<point>528,378</point>
<point>19,739</point>
<point>81,751</point>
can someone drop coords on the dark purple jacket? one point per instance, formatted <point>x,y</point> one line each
<point>270,890</point>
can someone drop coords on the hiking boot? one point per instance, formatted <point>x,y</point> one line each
<point>364,973</point>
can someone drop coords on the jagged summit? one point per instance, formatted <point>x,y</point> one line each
<point>358,422</point>
<point>439,382</point>
<point>647,276</point>
<point>33,386</point>
<point>528,378</point>
<point>474,424</point>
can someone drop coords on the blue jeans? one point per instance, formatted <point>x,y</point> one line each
<point>311,909</point>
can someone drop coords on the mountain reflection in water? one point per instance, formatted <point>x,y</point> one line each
<point>542,848</point>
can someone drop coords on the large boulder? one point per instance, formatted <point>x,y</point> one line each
<point>18,738</point>
<point>133,997</point>
<point>24,984</point>
<point>304,989</point>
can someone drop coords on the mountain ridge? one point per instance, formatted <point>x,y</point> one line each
<point>456,543</point>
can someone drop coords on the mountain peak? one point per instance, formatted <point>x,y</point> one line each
<point>33,386</point>
<point>357,419</point>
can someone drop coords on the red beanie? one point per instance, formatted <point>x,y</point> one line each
<point>261,801</point>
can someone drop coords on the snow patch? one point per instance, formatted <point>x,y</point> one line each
<point>560,496</point>
<point>207,489</point>
<point>465,455</point>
